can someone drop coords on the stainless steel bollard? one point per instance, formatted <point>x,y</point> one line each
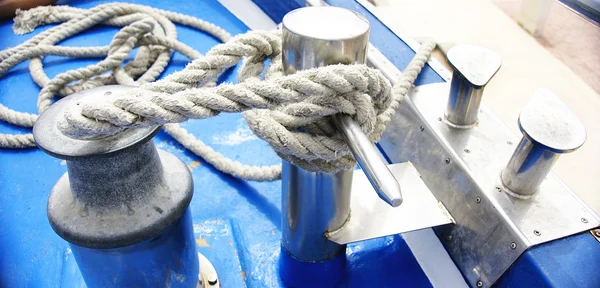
<point>549,129</point>
<point>314,203</point>
<point>474,67</point>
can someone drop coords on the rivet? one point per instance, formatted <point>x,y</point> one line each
<point>212,279</point>
<point>537,233</point>
<point>509,142</point>
<point>498,189</point>
<point>467,151</point>
<point>479,283</point>
<point>513,245</point>
<point>421,128</point>
<point>439,118</point>
<point>447,160</point>
<point>478,200</point>
<point>584,220</point>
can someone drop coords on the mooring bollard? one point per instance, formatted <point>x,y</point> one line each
<point>122,205</point>
<point>474,66</point>
<point>314,203</point>
<point>549,129</point>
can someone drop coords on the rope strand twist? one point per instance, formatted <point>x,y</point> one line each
<point>289,112</point>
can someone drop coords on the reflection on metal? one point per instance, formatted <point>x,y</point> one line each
<point>208,277</point>
<point>370,218</point>
<point>488,219</point>
<point>474,67</point>
<point>314,203</point>
<point>320,36</point>
<point>549,129</point>
<point>122,205</point>
<point>596,233</point>
<point>375,168</point>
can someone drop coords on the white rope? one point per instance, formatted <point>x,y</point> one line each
<point>289,112</point>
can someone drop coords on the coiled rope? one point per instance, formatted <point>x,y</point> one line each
<point>289,112</point>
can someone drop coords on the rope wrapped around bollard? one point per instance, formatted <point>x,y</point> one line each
<point>289,112</point>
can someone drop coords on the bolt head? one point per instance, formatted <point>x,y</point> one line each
<point>537,233</point>
<point>513,245</point>
<point>212,279</point>
<point>479,283</point>
<point>478,200</point>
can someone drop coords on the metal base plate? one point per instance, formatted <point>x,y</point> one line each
<point>207,278</point>
<point>462,169</point>
<point>371,217</point>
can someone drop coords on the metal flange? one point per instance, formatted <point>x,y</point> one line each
<point>122,205</point>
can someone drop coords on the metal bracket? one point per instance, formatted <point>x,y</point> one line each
<point>462,168</point>
<point>372,218</point>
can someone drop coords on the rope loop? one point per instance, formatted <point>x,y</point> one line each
<point>290,112</point>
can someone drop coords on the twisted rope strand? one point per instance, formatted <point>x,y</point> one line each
<point>289,112</point>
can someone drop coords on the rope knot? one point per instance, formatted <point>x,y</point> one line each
<point>292,112</point>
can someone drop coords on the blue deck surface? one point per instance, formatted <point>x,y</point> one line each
<point>568,262</point>
<point>237,223</point>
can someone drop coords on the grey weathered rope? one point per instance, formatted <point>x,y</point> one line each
<point>287,111</point>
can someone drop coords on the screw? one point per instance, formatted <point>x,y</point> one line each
<point>467,151</point>
<point>513,245</point>
<point>421,128</point>
<point>447,160</point>
<point>439,118</point>
<point>478,200</point>
<point>479,283</point>
<point>498,189</point>
<point>584,220</point>
<point>509,142</point>
<point>449,237</point>
<point>212,279</point>
<point>537,233</point>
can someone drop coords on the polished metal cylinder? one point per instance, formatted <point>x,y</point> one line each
<point>549,129</point>
<point>464,101</point>
<point>474,66</point>
<point>314,202</point>
<point>320,36</point>
<point>527,168</point>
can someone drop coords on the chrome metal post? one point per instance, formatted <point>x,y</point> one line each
<point>314,203</point>
<point>549,129</point>
<point>473,66</point>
